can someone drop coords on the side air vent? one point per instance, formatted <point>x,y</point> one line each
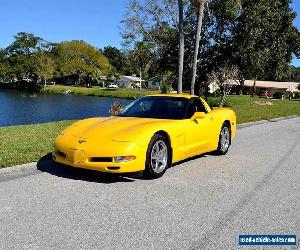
<point>61,154</point>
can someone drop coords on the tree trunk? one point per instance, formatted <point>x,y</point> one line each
<point>253,88</point>
<point>242,83</point>
<point>181,47</point>
<point>140,87</point>
<point>200,16</point>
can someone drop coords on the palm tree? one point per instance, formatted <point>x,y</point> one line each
<point>181,46</point>
<point>200,8</point>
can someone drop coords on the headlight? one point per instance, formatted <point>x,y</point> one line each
<point>124,158</point>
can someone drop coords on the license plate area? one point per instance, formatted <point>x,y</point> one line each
<point>75,155</point>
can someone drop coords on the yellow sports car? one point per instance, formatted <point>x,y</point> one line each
<point>148,135</point>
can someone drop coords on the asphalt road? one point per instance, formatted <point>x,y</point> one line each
<point>203,203</point>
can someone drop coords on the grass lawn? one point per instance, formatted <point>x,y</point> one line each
<point>246,111</point>
<point>97,91</point>
<point>21,144</point>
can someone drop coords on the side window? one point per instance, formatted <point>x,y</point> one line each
<point>195,106</point>
<point>199,106</point>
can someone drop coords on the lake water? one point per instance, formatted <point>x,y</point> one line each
<point>18,108</point>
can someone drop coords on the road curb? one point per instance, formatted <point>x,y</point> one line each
<point>18,168</point>
<point>250,124</point>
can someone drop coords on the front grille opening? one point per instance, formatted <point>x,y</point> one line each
<point>113,168</point>
<point>61,154</point>
<point>101,159</point>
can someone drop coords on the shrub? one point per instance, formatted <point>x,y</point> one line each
<point>164,80</point>
<point>115,108</point>
<point>165,88</point>
<point>216,102</point>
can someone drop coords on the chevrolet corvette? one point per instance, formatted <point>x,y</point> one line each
<point>149,135</point>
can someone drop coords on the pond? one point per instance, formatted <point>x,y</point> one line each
<point>18,108</point>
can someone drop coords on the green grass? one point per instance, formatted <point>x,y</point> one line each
<point>97,91</point>
<point>246,111</point>
<point>22,144</point>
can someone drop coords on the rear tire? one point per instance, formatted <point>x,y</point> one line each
<point>158,157</point>
<point>224,140</point>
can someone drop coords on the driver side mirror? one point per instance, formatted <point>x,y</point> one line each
<point>198,115</point>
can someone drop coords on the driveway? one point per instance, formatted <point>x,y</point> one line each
<point>202,203</point>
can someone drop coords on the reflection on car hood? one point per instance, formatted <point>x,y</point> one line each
<point>113,128</point>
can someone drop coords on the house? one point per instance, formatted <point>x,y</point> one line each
<point>260,86</point>
<point>153,83</point>
<point>271,86</point>
<point>130,82</point>
<point>66,80</point>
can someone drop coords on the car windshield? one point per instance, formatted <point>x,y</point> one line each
<point>160,107</point>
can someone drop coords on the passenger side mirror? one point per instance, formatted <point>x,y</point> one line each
<point>198,115</point>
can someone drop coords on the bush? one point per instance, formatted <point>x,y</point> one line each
<point>216,101</point>
<point>165,88</point>
<point>22,85</point>
<point>297,95</point>
<point>115,108</point>
<point>164,80</point>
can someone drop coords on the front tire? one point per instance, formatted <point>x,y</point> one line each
<point>157,157</point>
<point>224,140</point>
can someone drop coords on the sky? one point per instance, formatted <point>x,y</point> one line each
<point>94,21</point>
<point>296,8</point>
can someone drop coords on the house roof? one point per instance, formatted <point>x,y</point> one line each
<point>154,78</point>
<point>132,78</point>
<point>289,86</point>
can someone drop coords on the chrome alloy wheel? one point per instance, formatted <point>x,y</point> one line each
<point>159,157</point>
<point>225,139</point>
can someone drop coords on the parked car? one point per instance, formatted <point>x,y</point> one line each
<point>150,134</point>
<point>278,95</point>
<point>113,86</point>
<point>265,94</point>
<point>26,79</point>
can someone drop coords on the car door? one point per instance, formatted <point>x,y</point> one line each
<point>198,134</point>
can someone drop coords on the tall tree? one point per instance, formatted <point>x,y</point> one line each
<point>115,57</point>
<point>80,59</point>
<point>25,44</point>
<point>181,46</point>
<point>21,54</point>
<point>200,7</point>
<point>141,58</point>
<point>44,66</point>
<point>4,67</point>
<point>294,74</point>
<point>264,39</point>
<point>281,36</point>
<point>155,24</point>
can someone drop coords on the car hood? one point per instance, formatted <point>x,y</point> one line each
<point>123,129</point>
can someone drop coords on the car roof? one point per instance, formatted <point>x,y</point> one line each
<point>188,96</point>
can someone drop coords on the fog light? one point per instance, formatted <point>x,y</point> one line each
<point>124,158</point>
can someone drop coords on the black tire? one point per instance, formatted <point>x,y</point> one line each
<point>150,171</point>
<point>223,149</point>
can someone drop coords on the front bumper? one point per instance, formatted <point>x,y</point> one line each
<point>78,160</point>
<point>82,156</point>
